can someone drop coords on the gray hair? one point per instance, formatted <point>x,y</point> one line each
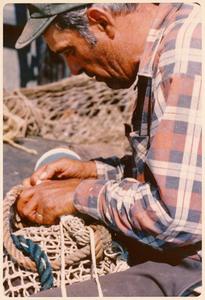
<point>78,21</point>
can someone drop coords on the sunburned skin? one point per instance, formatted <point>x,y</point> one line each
<point>115,57</point>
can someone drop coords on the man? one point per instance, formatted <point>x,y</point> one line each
<point>154,196</point>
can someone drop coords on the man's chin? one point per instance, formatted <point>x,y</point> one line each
<point>118,85</point>
<point>115,84</point>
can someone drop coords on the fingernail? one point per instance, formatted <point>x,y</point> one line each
<point>38,181</point>
<point>43,175</point>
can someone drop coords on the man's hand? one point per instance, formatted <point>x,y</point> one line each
<point>62,168</point>
<point>45,202</point>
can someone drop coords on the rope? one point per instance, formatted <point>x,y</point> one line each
<point>34,251</point>
<point>101,234</point>
<point>28,246</point>
<point>63,285</point>
<point>92,243</point>
<point>68,248</point>
<point>12,250</point>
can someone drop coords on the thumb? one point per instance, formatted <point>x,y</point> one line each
<point>44,173</point>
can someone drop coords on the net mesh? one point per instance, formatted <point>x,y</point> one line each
<point>76,109</point>
<point>19,281</point>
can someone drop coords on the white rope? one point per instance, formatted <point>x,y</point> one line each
<point>92,246</point>
<point>63,283</point>
<point>59,242</point>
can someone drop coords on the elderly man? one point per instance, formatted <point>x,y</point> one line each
<point>153,197</point>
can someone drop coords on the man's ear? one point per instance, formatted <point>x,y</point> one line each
<point>103,19</point>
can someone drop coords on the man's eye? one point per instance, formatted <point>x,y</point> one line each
<point>67,53</point>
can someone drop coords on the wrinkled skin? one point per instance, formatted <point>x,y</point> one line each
<point>50,190</point>
<point>50,199</point>
<point>63,168</point>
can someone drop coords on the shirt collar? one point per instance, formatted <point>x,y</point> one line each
<point>163,15</point>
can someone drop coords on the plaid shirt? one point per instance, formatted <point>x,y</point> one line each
<point>159,204</point>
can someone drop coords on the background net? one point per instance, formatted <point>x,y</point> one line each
<point>76,109</point>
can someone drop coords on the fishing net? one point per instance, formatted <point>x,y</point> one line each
<point>76,109</point>
<point>38,257</point>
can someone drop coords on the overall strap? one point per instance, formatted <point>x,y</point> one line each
<point>141,118</point>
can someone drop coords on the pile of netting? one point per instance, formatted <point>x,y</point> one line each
<point>38,257</point>
<point>76,109</point>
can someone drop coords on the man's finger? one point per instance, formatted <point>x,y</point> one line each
<point>30,209</point>
<point>36,175</point>
<point>46,172</point>
<point>24,197</point>
<point>26,183</point>
<point>38,217</point>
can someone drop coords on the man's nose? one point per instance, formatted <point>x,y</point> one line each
<point>75,67</point>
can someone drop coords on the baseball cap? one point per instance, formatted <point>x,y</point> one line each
<point>41,15</point>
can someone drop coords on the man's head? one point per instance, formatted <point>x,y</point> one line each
<point>102,40</point>
<point>66,15</point>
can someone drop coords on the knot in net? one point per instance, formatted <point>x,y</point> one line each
<point>33,253</point>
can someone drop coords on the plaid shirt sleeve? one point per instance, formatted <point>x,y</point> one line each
<point>164,212</point>
<point>109,169</point>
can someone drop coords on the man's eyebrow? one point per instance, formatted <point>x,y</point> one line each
<point>60,51</point>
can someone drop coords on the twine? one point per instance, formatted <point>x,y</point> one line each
<point>101,235</point>
<point>94,241</point>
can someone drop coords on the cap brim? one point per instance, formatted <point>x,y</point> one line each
<point>33,29</point>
